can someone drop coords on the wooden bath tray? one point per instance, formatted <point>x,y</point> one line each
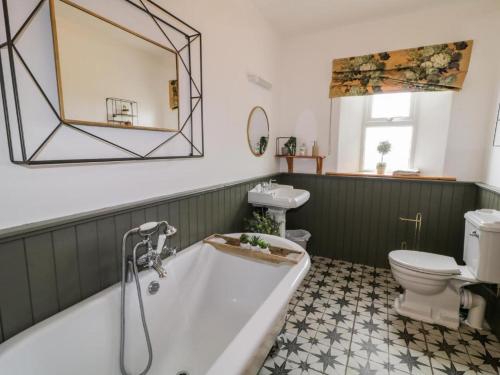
<point>232,246</point>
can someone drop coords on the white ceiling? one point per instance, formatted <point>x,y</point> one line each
<point>293,17</point>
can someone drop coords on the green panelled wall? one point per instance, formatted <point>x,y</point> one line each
<point>46,269</point>
<point>357,218</point>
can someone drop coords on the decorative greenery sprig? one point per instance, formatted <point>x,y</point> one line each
<point>291,145</point>
<point>262,224</point>
<point>254,240</point>
<point>262,145</point>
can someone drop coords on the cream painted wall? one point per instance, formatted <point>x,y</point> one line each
<point>304,103</point>
<point>236,40</point>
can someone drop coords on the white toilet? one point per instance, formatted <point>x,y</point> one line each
<point>433,284</point>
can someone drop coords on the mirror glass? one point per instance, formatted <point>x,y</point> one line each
<point>258,131</point>
<point>111,76</point>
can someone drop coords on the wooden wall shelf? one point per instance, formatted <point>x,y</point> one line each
<point>290,159</point>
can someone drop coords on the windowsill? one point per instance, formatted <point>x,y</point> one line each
<point>390,176</point>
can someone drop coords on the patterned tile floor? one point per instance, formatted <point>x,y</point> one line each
<point>341,321</point>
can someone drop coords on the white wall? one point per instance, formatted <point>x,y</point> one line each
<point>432,129</point>
<point>304,105</point>
<point>236,40</point>
<point>493,153</point>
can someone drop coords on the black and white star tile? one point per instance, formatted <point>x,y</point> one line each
<point>341,321</point>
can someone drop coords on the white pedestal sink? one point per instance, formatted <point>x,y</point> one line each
<point>278,199</point>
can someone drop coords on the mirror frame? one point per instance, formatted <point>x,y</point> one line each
<point>56,46</point>
<point>25,146</point>
<point>248,129</point>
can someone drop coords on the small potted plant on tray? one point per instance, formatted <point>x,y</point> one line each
<point>245,241</point>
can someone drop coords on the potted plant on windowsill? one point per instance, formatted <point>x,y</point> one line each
<point>383,148</point>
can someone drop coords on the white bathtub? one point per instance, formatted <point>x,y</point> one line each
<point>214,314</point>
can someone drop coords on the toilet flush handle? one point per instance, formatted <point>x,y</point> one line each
<point>474,233</point>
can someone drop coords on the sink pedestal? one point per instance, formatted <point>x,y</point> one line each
<point>279,214</point>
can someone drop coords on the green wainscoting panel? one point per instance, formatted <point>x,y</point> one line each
<point>357,218</point>
<point>47,267</point>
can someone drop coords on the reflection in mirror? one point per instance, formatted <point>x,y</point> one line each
<point>111,76</point>
<point>258,131</point>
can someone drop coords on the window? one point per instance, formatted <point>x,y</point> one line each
<point>388,117</point>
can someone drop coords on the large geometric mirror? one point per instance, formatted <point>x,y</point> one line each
<point>92,80</point>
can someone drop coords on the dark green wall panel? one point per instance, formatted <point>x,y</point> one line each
<point>88,258</point>
<point>357,219</point>
<point>15,295</point>
<point>106,240</point>
<point>66,266</point>
<point>45,270</point>
<point>42,276</point>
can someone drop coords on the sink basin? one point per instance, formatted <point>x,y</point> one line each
<point>278,196</point>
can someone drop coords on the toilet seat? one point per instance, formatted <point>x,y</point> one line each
<point>428,263</point>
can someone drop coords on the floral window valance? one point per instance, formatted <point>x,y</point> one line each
<point>433,68</point>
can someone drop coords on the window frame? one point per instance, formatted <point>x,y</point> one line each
<point>368,121</point>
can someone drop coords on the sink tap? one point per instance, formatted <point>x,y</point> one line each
<point>266,185</point>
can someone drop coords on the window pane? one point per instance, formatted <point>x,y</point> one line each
<point>400,138</point>
<point>391,105</point>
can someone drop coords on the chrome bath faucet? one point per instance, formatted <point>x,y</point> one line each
<point>152,258</point>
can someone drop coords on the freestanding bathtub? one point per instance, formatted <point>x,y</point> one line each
<point>215,314</point>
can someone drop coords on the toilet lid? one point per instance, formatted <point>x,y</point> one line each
<point>425,262</point>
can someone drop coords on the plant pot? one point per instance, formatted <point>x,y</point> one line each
<point>381,169</point>
<point>265,251</point>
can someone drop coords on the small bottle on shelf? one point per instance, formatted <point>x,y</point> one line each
<point>315,149</point>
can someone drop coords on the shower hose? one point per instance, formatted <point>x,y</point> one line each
<point>141,305</point>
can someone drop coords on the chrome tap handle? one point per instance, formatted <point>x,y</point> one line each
<point>169,251</point>
<point>172,251</point>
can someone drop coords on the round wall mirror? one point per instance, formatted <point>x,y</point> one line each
<point>258,131</point>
